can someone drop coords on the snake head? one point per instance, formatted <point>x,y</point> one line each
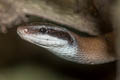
<point>57,40</point>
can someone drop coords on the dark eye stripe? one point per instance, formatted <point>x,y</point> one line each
<point>57,33</point>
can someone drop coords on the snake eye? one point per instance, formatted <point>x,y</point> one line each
<point>42,30</point>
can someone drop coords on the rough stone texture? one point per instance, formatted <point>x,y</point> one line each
<point>82,15</point>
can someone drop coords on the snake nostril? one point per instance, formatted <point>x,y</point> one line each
<point>42,30</point>
<point>25,30</point>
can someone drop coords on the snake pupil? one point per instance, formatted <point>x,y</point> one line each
<point>42,30</point>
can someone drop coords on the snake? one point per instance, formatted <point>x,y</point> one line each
<point>69,45</point>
